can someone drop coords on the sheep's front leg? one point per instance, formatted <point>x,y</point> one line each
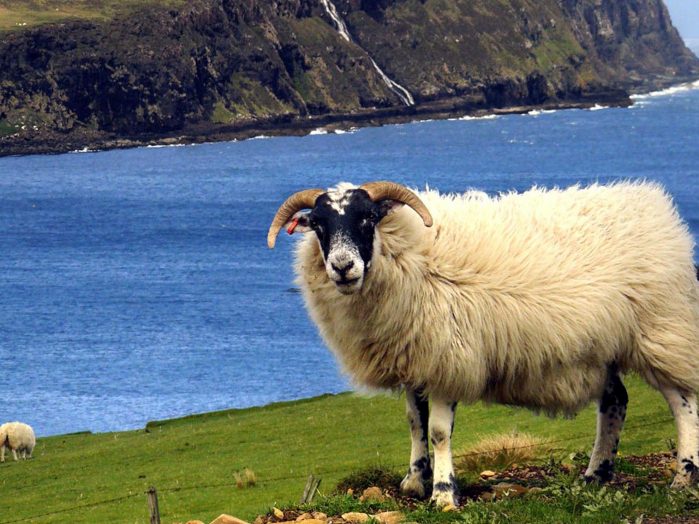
<point>420,470</point>
<point>684,408</point>
<point>441,427</point>
<point>610,421</point>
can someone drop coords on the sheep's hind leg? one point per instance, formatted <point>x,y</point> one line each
<point>420,470</point>
<point>684,408</point>
<point>441,427</point>
<point>610,421</point>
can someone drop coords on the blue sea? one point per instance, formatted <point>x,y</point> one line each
<point>136,284</point>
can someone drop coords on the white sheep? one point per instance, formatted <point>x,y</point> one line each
<point>17,436</point>
<point>540,299</point>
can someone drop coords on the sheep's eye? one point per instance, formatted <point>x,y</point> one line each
<point>316,226</point>
<point>366,223</point>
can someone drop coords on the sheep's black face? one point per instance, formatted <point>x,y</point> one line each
<point>345,223</point>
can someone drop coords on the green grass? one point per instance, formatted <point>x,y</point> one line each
<point>21,14</point>
<point>193,461</point>
<point>6,128</point>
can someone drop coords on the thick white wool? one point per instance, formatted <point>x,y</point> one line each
<point>522,298</point>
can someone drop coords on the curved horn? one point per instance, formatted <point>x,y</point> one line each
<point>302,200</point>
<point>390,190</point>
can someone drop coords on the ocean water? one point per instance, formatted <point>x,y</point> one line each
<point>137,285</point>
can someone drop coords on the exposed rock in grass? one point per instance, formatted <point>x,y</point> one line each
<point>508,489</point>
<point>227,519</point>
<point>374,494</point>
<point>389,517</point>
<point>355,517</point>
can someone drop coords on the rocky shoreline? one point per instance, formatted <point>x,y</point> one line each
<point>51,142</point>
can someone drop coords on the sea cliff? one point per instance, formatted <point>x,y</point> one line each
<point>218,69</point>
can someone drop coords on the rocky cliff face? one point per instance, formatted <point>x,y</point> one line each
<point>226,65</point>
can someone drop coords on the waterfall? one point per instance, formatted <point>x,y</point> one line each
<point>398,89</point>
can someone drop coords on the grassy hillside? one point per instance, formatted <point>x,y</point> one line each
<point>21,14</point>
<point>193,461</point>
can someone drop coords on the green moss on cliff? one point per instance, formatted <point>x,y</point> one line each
<point>250,98</point>
<point>21,14</point>
<point>6,128</point>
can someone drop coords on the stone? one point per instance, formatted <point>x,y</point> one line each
<point>350,491</point>
<point>535,490</point>
<point>308,521</point>
<point>487,474</point>
<point>372,493</point>
<point>319,515</point>
<point>227,519</point>
<point>304,516</point>
<point>487,496</point>
<point>389,517</point>
<point>278,513</point>
<point>355,517</point>
<point>506,489</point>
<point>259,520</point>
<point>448,508</point>
<point>194,522</point>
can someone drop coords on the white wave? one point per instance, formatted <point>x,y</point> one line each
<point>689,86</point>
<point>471,117</point>
<point>259,137</point>
<point>84,150</point>
<point>157,146</point>
<point>598,107</point>
<point>349,131</point>
<point>319,131</point>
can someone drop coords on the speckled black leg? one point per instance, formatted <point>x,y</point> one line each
<point>610,421</point>
<point>684,408</point>
<point>441,427</point>
<point>420,468</point>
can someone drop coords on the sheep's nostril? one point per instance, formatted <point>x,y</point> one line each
<point>343,270</point>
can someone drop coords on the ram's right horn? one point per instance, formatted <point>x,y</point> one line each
<point>391,191</point>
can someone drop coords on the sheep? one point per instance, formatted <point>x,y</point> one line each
<point>541,299</point>
<point>17,436</point>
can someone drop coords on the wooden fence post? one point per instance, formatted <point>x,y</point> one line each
<point>310,490</point>
<point>153,505</point>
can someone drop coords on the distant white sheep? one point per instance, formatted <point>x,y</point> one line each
<point>540,299</point>
<point>18,437</point>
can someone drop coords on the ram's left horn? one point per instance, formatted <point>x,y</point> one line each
<point>305,199</point>
<point>391,191</point>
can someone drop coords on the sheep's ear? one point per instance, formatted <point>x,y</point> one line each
<point>298,223</point>
<point>386,207</point>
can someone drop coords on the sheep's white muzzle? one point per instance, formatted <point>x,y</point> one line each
<point>345,268</point>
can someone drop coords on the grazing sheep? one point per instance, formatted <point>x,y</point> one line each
<point>17,436</point>
<point>540,299</point>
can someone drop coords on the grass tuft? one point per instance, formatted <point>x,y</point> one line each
<point>381,477</point>
<point>245,479</point>
<point>500,451</point>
